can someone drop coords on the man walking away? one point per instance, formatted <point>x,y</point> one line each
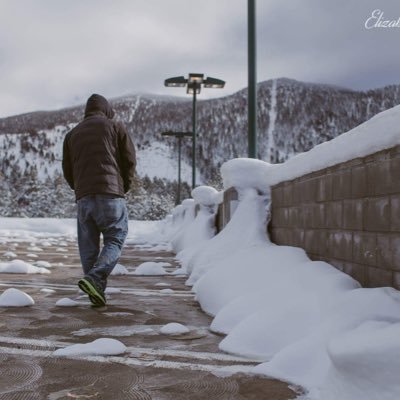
<point>99,165</point>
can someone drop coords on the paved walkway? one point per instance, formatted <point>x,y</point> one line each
<point>156,366</point>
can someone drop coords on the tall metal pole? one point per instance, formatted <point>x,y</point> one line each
<point>178,197</point>
<point>194,138</point>
<point>252,80</point>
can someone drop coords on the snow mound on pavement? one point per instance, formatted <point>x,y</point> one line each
<point>21,267</point>
<point>99,347</point>
<point>174,328</point>
<point>119,269</point>
<point>15,298</point>
<point>66,302</point>
<point>152,268</point>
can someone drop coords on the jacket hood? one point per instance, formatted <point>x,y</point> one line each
<point>98,104</point>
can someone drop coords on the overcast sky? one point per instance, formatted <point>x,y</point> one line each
<point>55,53</point>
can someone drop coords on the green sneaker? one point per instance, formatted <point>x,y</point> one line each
<point>95,294</point>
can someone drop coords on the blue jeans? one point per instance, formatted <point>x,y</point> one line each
<point>107,215</point>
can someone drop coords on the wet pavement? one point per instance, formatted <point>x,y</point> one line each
<point>155,366</point>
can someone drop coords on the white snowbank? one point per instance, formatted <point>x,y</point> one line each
<point>301,317</point>
<point>249,220</point>
<point>144,232</point>
<point>174,328</point>
<point>37,227</point>
<point>21,267</point>
<point>151,268</point>
<point>103,346</point>
<point>365,363</point>
<point>15,298</point>
<point>180,238</point>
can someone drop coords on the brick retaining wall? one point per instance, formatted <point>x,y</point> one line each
<point>347,215</point>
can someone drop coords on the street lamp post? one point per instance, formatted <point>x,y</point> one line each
<point>252,80</point>
<point>179,136</point>
<point>193,84</point>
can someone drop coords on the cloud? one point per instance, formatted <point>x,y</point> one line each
<point>55,53</point>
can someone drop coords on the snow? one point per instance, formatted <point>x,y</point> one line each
<point>37,227</point>
<point>119,269</point>
<point>167,291</point>
<point>151,268</point>
<point>248,217</point>
<point>47,291</point>
<point>174,328</point>
<point>42,264</point>
<point>21,267</point>
<point>103,346</point>
<point>370,350</point>
<point>112,290</point>
<point>307,322</point>
<point>358,142</point>
<point>15,298</point>
<point>9,254</point>
<point>160,161</point>
<point>66,302</point>
<point>243,173</point>
<point>205,195</point>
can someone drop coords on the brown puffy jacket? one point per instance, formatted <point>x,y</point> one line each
<point>98,154</point>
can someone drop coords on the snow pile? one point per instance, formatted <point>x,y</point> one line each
<point>147,233</point>
<point>15,298</point>
<point>47,291</point>
<point>37,227</point>
<point>242,173</point>
<point>66,302</point>
<point>201,228</point>
<point>152,268</point>
<point>167,291</point>
<point>365,363</point>
<point>307,322</point>
<point>99,347</point>
<point>187,215</point>
<point>21,267</point>
<point>174,328</point>
<point>42,264</point>
<point>247,228</point>
<point>9,254</point>
<point>119,269</point>
<point>206,196</point>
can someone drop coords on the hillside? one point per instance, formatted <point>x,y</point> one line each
<point>292,117</point>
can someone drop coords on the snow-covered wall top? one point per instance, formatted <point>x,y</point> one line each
<point>380,132</point>
<point>243,173</point>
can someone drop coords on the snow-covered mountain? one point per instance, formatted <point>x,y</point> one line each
<point>292,117</point>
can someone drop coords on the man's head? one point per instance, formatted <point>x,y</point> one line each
<point>97,103</point>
